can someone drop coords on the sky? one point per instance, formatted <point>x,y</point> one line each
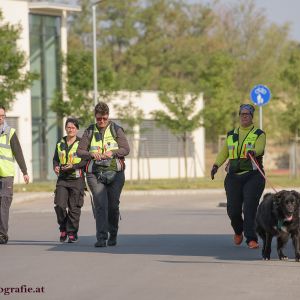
<point>276,11</point>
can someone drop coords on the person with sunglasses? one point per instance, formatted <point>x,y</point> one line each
<point>243,183</point>
<point>105,145</point>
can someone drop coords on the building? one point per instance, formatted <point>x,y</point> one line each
<point>43,39</point>
<point>156,152</point>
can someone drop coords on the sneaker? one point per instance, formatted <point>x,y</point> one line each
<point>112,241</point>
<point>101,243</point>
<point>3,239</point>
<point>238,238</point>
<point>253,245</point>
<point>63,236</point>
<point>73,237</point>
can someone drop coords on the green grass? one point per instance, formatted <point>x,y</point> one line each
<point>278,181</point>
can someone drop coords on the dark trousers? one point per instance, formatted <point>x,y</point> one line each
<point>69,196</point>
<point>243,193</point>
<point>6,195</point>
<point>106,200</point>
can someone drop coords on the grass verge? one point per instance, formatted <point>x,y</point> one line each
<point>278,181</point>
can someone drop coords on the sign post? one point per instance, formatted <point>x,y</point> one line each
<point>260,95</point>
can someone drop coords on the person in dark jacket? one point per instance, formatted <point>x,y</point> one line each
<point>69,193</point>
<point>105,145</point>
<point>10,150</point>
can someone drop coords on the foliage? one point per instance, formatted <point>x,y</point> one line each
<point>130,115</point>
<point>182,116</point>
<point>181,48</point>
<point>291,77</point>
<point>13,75</point>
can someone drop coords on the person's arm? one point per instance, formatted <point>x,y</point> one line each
<point>260,145</point>
<point>222,156</point>
<point>18,153</point>
<point>56,161</point>
<point>123,144</point>
<point>80,165</point>
<point>83,146</point>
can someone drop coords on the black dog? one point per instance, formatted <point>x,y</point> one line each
<point>278,215</point>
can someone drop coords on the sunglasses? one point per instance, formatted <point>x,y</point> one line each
<point>102,118</point>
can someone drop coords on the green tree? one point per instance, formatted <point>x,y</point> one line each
<point>182,116</point>
<point>291,78</point>
<point>13,76</point>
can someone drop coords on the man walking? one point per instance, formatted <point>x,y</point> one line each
<point>10,149</point>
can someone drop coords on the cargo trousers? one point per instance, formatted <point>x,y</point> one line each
<point>6,195</point>
<point>106,200</point>
<point>69,197</point>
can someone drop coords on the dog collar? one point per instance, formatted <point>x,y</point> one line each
<point>281,222</point>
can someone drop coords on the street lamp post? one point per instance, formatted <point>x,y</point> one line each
<point>95,52</point>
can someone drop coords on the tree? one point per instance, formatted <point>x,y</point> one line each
<point>182,116</point>
<point>291,77</point>
<point>13,77</point>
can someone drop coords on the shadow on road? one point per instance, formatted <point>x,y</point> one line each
<point>215,246</point>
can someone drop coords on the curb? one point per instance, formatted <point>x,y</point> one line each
<point>30,196</point>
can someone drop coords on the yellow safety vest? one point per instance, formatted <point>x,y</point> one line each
<point>69,157</point>
<point>7,167</point>
<point>238,161</point>
<point>102,144</point>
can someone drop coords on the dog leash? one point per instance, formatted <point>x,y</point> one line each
<point>261,172</point>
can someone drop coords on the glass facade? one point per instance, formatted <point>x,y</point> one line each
<point>45,61</point>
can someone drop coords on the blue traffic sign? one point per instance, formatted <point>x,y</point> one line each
<point>260,95</point>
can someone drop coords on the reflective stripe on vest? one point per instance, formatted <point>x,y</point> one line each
<point>72,156</point>
<point>248,144</point>
<point>107,143</point>
<point>238,161</point>
<point>7,167</point>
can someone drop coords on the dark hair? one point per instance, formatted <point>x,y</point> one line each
<point>102,109</point>
<point>2,107</point>
<point>72,120</point>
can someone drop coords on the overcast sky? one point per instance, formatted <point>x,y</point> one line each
<point>277,11</point>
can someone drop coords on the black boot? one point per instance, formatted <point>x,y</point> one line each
<point>112,241</point>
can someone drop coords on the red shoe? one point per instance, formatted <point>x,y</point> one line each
<point>253,245</point>
<point>238,238</point>
<point>63,236</point>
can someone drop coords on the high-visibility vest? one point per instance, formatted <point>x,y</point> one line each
<point>69,157</point>
<point>7,167</point>
<point>101,144</point>
<point>238,161</point>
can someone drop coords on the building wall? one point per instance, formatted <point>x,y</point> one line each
<point>155,167</point>
<point>16,12</point>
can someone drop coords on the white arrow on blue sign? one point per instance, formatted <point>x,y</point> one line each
<point>260,95</point>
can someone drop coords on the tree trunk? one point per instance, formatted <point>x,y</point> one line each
<point>184,139</point>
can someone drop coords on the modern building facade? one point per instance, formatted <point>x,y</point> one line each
<point>43,39</point>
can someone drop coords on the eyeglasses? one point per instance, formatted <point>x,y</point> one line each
<point>245,114</point>
<point>102,119</point>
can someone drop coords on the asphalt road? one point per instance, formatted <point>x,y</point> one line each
<point>170,246</point>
